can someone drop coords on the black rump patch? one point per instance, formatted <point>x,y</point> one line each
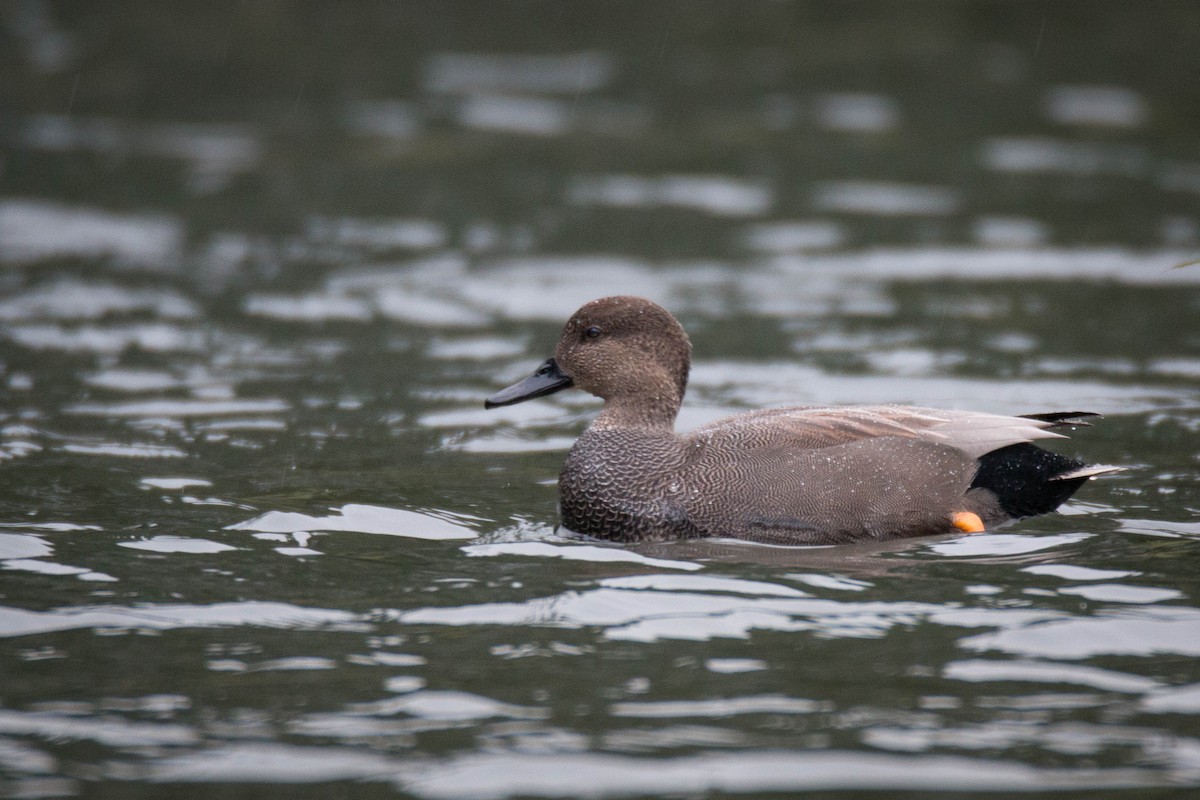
<point>1022,477</point>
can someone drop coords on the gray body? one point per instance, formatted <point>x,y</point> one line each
<point>805,475</point>
<point>788,476</point>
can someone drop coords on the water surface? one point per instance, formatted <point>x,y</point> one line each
<point>259,266</point>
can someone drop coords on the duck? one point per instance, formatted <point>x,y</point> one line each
<point>800,475</point>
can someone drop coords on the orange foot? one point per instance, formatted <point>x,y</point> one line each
<point>967,521</point>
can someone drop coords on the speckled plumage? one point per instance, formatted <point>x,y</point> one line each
<point>807,475</point>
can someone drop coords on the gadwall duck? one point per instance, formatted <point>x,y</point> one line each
<point>800,475</point>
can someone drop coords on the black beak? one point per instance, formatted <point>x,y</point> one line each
<point>548,379</point>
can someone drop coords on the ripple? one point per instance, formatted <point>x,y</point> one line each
<point>23,545</point>
<point>885,199</point>
<point>536,116</point>
<point>124,450</point>
<point>1119,593</point>
<point>106,730</point>
<point>594,553</point>
<point>179,408</point>
<point>858,112</point>
<point>1032,155</point>
<point>471,73</point>
<point>979,670</point>
<point>77,300</point>
<point>1127,632</point>
<point>647,615</point>
<point>717,708</point>
<point>1106,106</point>
<point>109,340</point>
<point>1072,573</point>
<point>177,544</point>
<point>172,483</point>
<point>34,230</point>
<point>718,195</point>
<point>360,518</point>
<point>22,622</point>
<point>459,706</point>
<point>1002,544</point>
<point>488,776</point>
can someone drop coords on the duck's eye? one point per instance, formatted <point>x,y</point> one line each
<point>592,332</point>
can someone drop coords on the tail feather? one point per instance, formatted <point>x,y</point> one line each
<point>1028,480</point>
<point>1064,418</point>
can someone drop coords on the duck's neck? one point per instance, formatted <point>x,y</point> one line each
<point>652,411</point>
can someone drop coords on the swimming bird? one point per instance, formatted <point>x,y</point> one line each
<point>799,475</point>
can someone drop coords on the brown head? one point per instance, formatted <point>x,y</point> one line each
<point>626,350</point>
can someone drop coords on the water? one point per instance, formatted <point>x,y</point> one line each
<point>260,265</point>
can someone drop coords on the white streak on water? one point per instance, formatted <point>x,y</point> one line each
<point>716,708</point>
<point>1119,593</point>
<point>177,544</point>
<point>172,483</point>
<point>470,73</point>
<point>35,230</point>
<point>179,408</point>
<point>1101,106</point>
<point>493,776</point>
<point>980,670</point>
<point>22,622</point>
<point>885,199</point>
<point>593,553</point>
<point>361,518</point>
<point>1121,631</point>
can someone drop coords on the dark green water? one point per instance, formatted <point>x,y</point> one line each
<point>260,263</point>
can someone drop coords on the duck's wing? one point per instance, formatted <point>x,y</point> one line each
<point>813,427</point>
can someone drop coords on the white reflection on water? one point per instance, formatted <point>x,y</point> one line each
<point>124,450</point>
<point>24,552</point>
<point>1119,631</point>
<point>791,237</point>
<point>179,408</point>
<point>979,670</point>
<point>35,230</point>
<point>23,545</point>
<point>860,112</point>
<point>1119,593</point>
<point>484,776</point>
<point>1073,738</point>
<point>456,706</point>
<point>594,553</point>
<point>732,666</point>
<point>254,762</point>
<point>78,300</point>
<point>885,199</point>
<point>565,73</point>
<point>1070,572</point>
<point>717,708</point>
<point>1046,155</point>
<point>366,519</point>
<point>536,116</point>
<point>1177,700</point>
<point>177,544</point>
<point>172,483</point>
<point>1002,544</point>
<point>22,622</point>
<point>214,153</point>
<point>109,339</point>
<point>134,381</point>
<point>1106,106</point>
<point>719,195</point>
<point>113,731</point>
<point>702,583</point>
<point>647,615</point>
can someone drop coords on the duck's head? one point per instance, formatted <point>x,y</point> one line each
<point>623,349</point>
